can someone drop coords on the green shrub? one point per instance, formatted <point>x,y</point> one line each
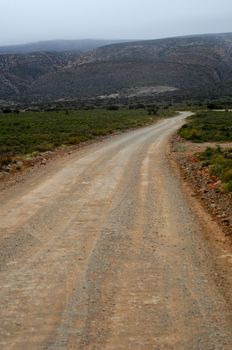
<point>227,176</point>
<point>45,147</point>
<point>228,186</point>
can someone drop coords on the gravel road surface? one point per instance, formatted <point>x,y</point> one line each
<point>103,251</point>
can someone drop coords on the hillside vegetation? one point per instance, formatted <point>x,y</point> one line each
<point>19,72</point>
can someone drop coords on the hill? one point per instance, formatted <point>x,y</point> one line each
<point>199,66</point>
<point>18,72</point>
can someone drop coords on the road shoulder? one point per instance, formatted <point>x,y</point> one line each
<point>217,232</point>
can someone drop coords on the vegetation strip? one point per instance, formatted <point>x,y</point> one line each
<point>208,126</point>
<point>26,135</point>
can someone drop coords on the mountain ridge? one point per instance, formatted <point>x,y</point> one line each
<point>58,45</point>
<point>198,66</point>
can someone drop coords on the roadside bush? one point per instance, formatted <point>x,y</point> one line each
<point>228,186</point>
<point>220,164</point>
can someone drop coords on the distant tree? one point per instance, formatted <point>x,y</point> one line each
<point>153,110</point>
<point>112,108</point>
<point>7,110</point>
<point>139,106</point>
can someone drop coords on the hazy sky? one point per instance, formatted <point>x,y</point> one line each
<point>33,20</point>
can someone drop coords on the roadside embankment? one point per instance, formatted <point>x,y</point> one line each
<point>206,187</point>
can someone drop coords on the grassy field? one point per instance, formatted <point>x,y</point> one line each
<point>208,126</point>
<point>36,132</point>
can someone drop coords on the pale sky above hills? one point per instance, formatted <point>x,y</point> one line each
<point>24,21</point>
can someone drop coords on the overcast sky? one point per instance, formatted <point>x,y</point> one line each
<point>24,21</point>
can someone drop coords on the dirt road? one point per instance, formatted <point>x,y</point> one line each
<point>104,252</point>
